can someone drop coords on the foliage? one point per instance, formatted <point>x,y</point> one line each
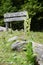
<point>29,54</point>
<point>32,6</point>
<point>9,57</point>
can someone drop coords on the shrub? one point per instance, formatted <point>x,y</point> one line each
<point>2,23</point>
<point>29,54</point>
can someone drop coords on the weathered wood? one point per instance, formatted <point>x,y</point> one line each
<point>24,13</point>
<point>14,19</point>
<point>17,16</point>
<point>6,26</point>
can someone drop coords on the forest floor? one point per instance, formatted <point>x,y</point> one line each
<point>9,57</point>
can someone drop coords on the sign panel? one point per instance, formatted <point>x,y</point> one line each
<point>14,19</point>
<point>16,14</point>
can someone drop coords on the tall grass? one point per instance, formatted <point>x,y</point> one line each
<point>29,54</point>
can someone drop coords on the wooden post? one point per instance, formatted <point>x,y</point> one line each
<point>25,26</point>
<point>6,26</point>
<point>11,27</point>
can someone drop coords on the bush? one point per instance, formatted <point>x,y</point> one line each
<point>2,23</point>
<point>29,54</point>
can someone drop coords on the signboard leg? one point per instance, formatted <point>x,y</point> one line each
<point>11,26</point>
<point>6,26</point>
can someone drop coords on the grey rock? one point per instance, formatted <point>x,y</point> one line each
<point>2,29</point>
<point>40,62</point>
<point>13,38</point>
<point>38,49</point>
<point>18,45</point>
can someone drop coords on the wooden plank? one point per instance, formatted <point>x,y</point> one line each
<point>23,13</point>
<point>14,19</point>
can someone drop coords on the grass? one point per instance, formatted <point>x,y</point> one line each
<point>9,57</point>
<point>36,36</point>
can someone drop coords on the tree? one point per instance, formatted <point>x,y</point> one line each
<point>32,6</point>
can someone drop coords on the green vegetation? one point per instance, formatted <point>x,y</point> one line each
<point>32,6</point>
<point>29,54</point>
<point>7,56</point>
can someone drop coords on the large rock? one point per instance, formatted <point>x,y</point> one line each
<point>18,45</point>
<point>13,38</point>
<point>38,49</point>
<point>2,29</point>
